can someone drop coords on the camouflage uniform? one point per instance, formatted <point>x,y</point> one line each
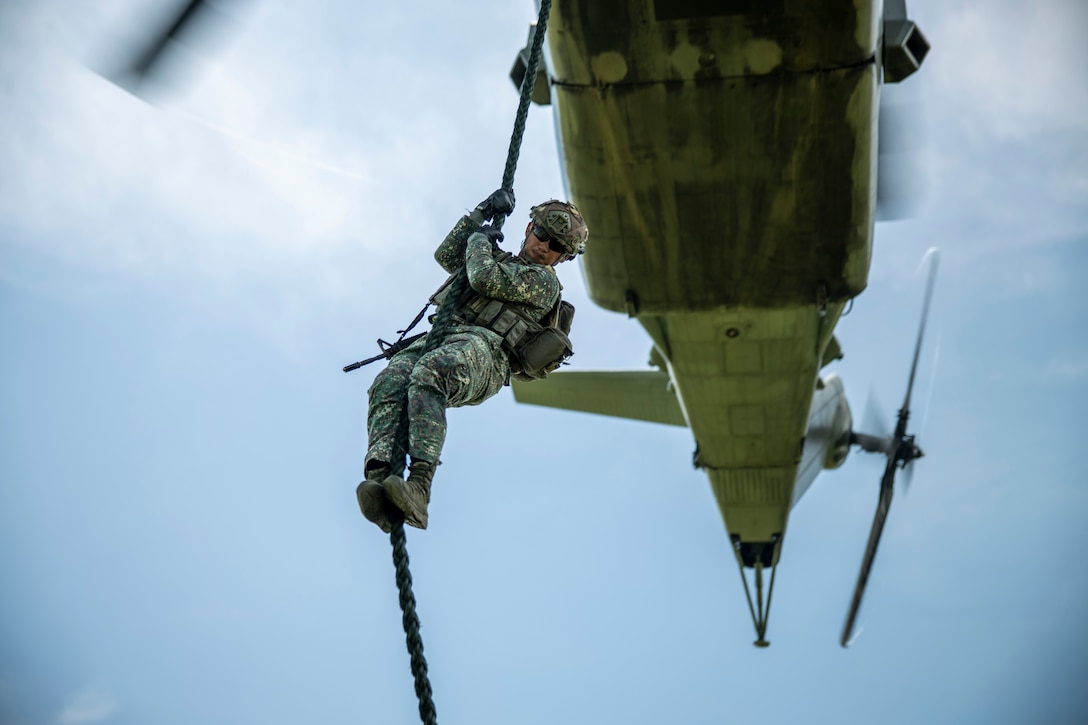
<point>469,366</point>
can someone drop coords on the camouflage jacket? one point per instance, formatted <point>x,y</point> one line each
<point>530,287</point>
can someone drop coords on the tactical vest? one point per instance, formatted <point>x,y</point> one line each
<point>534,347</point>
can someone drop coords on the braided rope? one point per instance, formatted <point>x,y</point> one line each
<point>526,94</point>
<point>440,327</point>
<point>427,712</point>
<point>446,310</point>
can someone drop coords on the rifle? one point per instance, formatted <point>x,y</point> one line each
<point>388,350</point>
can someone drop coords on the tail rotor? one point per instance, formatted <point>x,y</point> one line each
<point>900,450</point>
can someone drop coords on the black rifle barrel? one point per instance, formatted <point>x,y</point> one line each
<point>386,353</point>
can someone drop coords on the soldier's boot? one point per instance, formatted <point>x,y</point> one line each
<point>372,499</point>
<point>413,495</point>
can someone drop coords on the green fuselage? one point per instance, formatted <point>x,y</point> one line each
<point>724,156</point>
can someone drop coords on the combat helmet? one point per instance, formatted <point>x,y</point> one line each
<point>564,222</point>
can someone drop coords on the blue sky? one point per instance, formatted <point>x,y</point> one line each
<point>180,284</point>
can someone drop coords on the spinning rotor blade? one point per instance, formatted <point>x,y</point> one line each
<point>874,418</point>
<point>880,439</point>
<point>145,63</point>
<point>887,487</point>
<point>908,477</point>
<point>899,186</point>
<point>935,255</point>
<point>160,57</point>
<point>901,451</point>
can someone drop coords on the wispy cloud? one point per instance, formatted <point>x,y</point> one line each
<point>263,170</point>
<point>1026,75</point>
<point>304,160</point>
<point>88,706</point>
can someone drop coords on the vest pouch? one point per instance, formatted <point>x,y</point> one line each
<point>566,316</point>
<point>542,352</point>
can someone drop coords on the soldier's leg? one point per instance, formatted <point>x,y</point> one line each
<point>465,370</point>
<point>388,407</point>
<point>387,421</point>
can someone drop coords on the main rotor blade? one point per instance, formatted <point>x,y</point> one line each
<point>935,255</point>
<point>188,33</point>
<point>145,62</point>
<point>900,171</point>
<point>887,488</point>
<point>873,420</point>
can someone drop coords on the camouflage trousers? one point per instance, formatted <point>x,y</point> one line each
<point>466,369</point>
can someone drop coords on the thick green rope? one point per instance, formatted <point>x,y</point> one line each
<point>526,95</point>
<point>411,625</point>
<point>442,322</point>
<point>443,317</point>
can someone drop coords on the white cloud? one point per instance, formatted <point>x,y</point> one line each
<point>89,706</point>
<point>305,167</point>
<point>1003,98</point>
<point>1018,68</point>
<point>277,162</point>
<point>111,173</point>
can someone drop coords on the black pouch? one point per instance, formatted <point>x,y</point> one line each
<point>543,352</point>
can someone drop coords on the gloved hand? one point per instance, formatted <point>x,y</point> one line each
<point>501,201</point>
<point>493,234</point>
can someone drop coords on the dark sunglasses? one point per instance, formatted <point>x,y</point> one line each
<point>553,244</point>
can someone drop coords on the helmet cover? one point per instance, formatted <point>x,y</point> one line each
<point>564,223</point>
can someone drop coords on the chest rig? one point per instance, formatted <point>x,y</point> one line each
<point>534,347</point>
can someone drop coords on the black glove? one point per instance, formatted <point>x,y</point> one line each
<point>500,202</point>
<point>493,234</point>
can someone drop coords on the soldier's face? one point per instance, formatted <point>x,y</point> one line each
<point>537,250</point>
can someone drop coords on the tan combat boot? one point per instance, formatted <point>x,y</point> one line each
<point>413,495</point>
<point>372,499</point>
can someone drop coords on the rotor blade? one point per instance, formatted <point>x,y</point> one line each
<point>873,420</point>
<point>872,444</point>
<point>160,60</point>
<point>887,488</point>
<point>145,62</point>
<point>908,477</point>
<point>899,192</point>
<point>935,255</point>
<point>932,383</point>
